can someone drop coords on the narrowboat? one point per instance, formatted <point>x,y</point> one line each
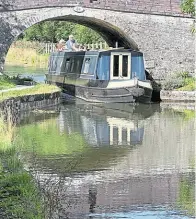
<point>109,76</point>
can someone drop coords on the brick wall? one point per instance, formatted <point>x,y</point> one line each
<point>166,41</point>
<point>165,7</point>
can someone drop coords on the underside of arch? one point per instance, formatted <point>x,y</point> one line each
<point>110,33</point>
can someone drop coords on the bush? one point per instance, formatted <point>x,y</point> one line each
<point>180,81</point>
<point>189,86</point>
<point>5,82</point>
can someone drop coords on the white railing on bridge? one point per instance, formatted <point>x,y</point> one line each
<point>51,47</point>
<point>48,47</point>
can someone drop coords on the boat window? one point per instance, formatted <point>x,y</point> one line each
<point>53,64</point>
<point>67,65</point>
<point>103,67</point>
<point>78,66</point>
<point>116,66</point>
<point>120,65</point>
<point>59,65</point>
<point>86,65</point>
<point>137,67</point>
<point>72,65</point>
<point>125,66</point>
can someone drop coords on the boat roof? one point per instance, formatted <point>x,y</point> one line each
<point>98,52</point>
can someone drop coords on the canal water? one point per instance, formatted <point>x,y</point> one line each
<point>37,73</point>
<point>112,161</point>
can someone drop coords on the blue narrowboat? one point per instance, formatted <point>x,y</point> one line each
<point>110,76</point>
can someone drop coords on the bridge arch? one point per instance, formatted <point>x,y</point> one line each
<point>94,19</point>
<point>166,41</point>
<point>107,28</point>
<point>110,33</point>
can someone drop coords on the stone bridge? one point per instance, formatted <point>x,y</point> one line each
<point>158,28</point>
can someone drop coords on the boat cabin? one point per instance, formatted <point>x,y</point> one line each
<point>116,64</point>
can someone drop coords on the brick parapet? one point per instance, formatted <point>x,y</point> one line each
<point>164,7</point>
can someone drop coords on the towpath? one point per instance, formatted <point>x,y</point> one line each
<point>18,87</point>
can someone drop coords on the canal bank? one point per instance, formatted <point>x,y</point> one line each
<point>15,100</point>
<point>177,96</point>
<point>20,196</point>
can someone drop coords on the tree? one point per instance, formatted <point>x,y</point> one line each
<point>85,35</point>
<point>53,31</point>
<point>188,6</point>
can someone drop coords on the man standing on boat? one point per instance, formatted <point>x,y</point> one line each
<point>70,44</point>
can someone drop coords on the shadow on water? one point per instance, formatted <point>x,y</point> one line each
<point>111,161</point>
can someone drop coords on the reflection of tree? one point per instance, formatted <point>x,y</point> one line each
<point>186,200</point>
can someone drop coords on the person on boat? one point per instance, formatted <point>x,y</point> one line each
<point>86,47</point>
<point>71,44</point>
<point>77,47</point>
<point>60,46</point>
<point>81,47</point>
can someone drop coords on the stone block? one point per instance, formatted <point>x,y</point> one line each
<point>149,64</point>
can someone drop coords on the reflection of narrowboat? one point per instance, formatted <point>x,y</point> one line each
<point>101,129</point>
<point>116,75</point>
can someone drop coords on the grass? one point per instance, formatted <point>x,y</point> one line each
<point>181,81</point>
<point>6,83</point>
<point>6,134</point>
<point>19,195</point>
<point>26,57</point>
<point>189,85</point>
<point>37,89</point>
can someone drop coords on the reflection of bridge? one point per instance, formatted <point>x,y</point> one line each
<point>134,193</point>
<point>127,194</point>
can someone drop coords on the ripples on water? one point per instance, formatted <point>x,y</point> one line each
<point>113,161</point>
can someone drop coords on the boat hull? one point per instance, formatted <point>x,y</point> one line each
<point>105,95</point>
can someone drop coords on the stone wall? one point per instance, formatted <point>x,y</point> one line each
<point>13,107</point>
<point>165,7</point>
<point>187,96</point>
<point>166,41</point>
